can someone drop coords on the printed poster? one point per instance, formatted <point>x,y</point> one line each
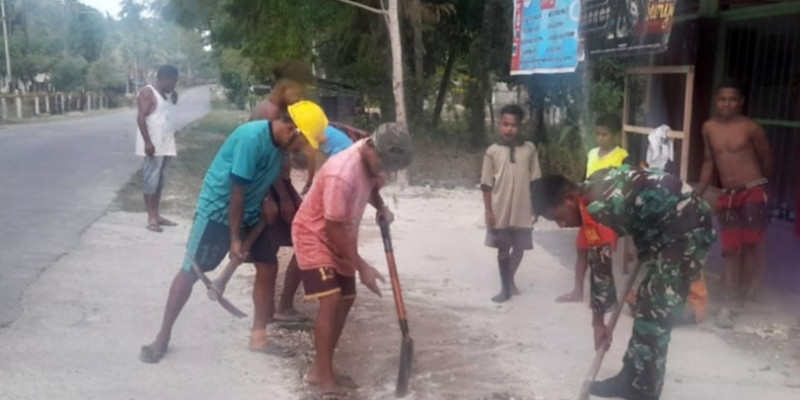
<point>545,36</point>
<point>627,27</point>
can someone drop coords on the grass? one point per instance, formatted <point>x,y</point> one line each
<point>197,145</point>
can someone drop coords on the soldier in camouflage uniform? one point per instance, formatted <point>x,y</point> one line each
<point>671,227</point>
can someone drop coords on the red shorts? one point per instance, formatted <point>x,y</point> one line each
<point>607,237</point>
<point>743,217</point>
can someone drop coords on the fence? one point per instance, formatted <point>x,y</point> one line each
<point>18,107</point>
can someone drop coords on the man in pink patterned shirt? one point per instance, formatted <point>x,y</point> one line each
<point>325,233</point>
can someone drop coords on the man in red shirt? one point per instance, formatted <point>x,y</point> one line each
<point>325,233</point>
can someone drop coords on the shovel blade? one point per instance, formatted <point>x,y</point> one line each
<point>228,306</point>
<point>406,361</point>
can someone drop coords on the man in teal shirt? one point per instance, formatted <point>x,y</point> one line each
<point>229,203</point>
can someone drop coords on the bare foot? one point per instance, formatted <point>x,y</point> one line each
<point>290,315</point>
<point>754,293</point>
<point>724,319</point>
<point>502,297</point>
<point>341,380</point>
<point>259,343</point>
<point>572,297</point>
<point>153,227</point>
<point>165,222</point>
<point>153,352</point>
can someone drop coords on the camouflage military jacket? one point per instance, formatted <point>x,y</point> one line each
<point>668,220</point>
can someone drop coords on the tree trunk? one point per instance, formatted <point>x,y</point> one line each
<point>397,76</point>
<point>443,86</point>
<point>416,112</point>
<point>479,87</point>
<point>397,63</point>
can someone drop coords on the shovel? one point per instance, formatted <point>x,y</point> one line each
<point>232,264</point>
<point>407,344</point>
<point>612,323</point>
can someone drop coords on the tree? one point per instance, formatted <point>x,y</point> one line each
<point>392,16</point>
<point>108,73</point>
<point>69,73</point>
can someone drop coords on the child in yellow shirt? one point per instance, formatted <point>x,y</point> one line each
<point>607,154</point>
<point>596,242</point>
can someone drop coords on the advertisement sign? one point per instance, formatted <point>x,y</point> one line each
<point>545,36</point>
<point>627,27</point>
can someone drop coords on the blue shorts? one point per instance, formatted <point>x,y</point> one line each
<point>153,174</point>
<point>210,241</point>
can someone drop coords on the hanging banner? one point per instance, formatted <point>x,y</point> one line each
<point>545,36</point>
<point>627,27</point>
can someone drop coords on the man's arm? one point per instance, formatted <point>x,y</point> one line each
<point>487,183</point>
<point>344,245</point>
<point>487,207</point>
<point>383,211</point>
<point>376,200</point>
<point>235,213</point>
<point>146,103</point>
<point>535,173</point>
<point>763,150</point>
<point>312,170</point>
<point>280,184</point>
<point>708,164</point>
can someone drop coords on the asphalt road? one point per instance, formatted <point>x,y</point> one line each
<point>56,179</point>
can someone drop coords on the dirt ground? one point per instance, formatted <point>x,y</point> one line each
<point>89,313</point>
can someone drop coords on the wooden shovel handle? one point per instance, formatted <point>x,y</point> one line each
<point>248,241</point>
<point>393,276</point>
<point>612,323</point>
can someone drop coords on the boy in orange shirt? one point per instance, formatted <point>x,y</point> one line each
<point>595,242</point>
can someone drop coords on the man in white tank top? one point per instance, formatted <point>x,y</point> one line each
<point>155,141</point>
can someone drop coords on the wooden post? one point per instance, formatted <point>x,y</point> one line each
<point>687,124</point>
<point>18,102</point>
<point>625,113</point>
<point>36,105</point>
<point>4,108</point>
<point>62,106</point>
<point>47,103</point>
<point>88,102</point>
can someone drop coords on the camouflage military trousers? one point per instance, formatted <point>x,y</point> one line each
<point>660,301</point>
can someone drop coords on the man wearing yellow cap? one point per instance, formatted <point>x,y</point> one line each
<point>229,204</point>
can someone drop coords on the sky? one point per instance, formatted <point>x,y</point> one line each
<point>105,6</point>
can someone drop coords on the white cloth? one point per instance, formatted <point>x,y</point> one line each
<point>660,149</point>
<point>159,126</point>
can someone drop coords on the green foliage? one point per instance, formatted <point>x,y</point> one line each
<point>564,154</point>
<point>69,73</point>
<point>58,39</point>
<point>107,74</point>
<point>87,32</point>
<point>234,75</point>
<point>606,98</point>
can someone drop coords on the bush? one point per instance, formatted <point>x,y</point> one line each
<point>69,73</point>
<point>106,74</point>
<point>564,153</point>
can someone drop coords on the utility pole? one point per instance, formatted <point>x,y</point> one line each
<point>5,42</point>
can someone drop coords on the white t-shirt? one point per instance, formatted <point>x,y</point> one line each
<point>159,126</point>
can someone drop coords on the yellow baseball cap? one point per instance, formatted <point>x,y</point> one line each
<point>310,120</point>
